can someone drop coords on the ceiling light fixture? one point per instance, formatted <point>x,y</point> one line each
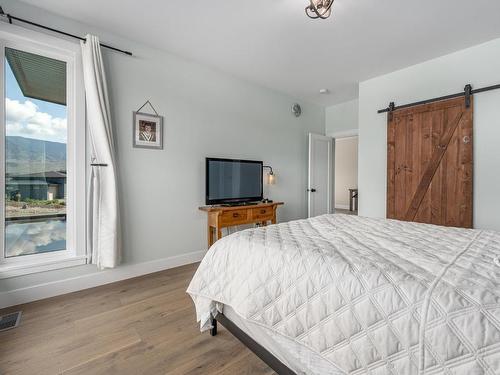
<point>319,9</point>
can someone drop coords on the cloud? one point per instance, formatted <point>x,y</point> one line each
<point>22,239</point>
<point>25,120</point>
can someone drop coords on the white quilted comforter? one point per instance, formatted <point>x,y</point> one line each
<point>371,296</point>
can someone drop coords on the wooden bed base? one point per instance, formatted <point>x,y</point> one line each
<point>251,344</point>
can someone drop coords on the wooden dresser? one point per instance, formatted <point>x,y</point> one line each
<point>222,217</point>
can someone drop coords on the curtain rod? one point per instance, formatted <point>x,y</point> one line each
<point>11,17</point>
<point>467,92</point>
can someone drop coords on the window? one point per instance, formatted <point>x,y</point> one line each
<point>35,153</point>
<point>42,158</point>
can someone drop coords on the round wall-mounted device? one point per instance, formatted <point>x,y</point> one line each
<point>296,110</point>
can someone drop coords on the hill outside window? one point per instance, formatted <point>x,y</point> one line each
<point>42,153</point>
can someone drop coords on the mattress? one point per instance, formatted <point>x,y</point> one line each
<point>366,296</point>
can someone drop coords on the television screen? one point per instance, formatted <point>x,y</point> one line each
<point>233,181</point>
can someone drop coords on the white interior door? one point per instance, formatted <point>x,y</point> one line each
<point>320,185</point>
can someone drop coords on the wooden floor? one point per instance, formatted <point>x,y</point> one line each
<point>145,325</point>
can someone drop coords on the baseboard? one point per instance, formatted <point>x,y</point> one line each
<point>342,206</point>
<point>91,280</point>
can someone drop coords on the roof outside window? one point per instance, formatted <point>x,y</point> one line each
<point>39,77</point>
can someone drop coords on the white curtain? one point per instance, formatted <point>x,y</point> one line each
<point>103,218</point>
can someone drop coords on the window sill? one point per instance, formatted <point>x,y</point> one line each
<point>13,270</point>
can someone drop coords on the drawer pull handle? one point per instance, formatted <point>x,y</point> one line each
<point>235,215</point>
<point>262,211</point>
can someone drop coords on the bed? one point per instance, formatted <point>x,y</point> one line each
<point>341,294</point>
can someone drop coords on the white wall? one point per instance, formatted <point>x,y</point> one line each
<point>342,119</point>
<point>479,66</point>
<point>206,113</point>
<point>346,169</point>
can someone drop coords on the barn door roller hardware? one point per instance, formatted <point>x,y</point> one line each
<point>467,93</point>
<point>391,109</point>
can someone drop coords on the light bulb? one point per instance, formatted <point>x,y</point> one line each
<point>271,178</point>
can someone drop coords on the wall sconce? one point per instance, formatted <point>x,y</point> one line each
<point>270,177</point>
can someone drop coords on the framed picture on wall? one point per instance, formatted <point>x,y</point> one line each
<point>148,131</point>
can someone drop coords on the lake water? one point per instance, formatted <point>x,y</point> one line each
<point>35,237</point>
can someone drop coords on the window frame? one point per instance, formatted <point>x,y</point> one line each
<point>75,253</point>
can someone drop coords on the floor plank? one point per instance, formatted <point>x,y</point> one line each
<point>144,325</point>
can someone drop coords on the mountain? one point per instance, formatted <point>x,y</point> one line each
<point>20,148</point>
<point>27,155</point>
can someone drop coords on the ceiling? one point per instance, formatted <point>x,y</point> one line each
<point>274,44</point>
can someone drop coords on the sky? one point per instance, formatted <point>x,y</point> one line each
<point>32,118</point>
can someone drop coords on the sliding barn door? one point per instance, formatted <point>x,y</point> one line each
<point>430,164</point>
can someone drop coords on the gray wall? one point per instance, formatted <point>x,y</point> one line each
<point>479,66</point>
<point>342,118</point>
<point>206,113</point>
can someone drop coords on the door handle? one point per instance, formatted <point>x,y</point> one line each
<point>312,190</point>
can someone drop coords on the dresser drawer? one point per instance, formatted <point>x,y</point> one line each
<point>234,217</point>
<point>263,213</point>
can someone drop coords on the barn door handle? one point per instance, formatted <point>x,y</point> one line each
<point>312,190</point>
<point>466,139</point>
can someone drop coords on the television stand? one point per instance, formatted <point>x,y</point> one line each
<point>229,216</point>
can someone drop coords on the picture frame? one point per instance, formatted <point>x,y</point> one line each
<point>147,131</point>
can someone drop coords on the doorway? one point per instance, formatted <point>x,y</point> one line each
<point>346,175</point>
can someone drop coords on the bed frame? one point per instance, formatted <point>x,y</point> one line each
<point>251,344</point>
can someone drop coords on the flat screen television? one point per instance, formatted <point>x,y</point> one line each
<point>230,181</point>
